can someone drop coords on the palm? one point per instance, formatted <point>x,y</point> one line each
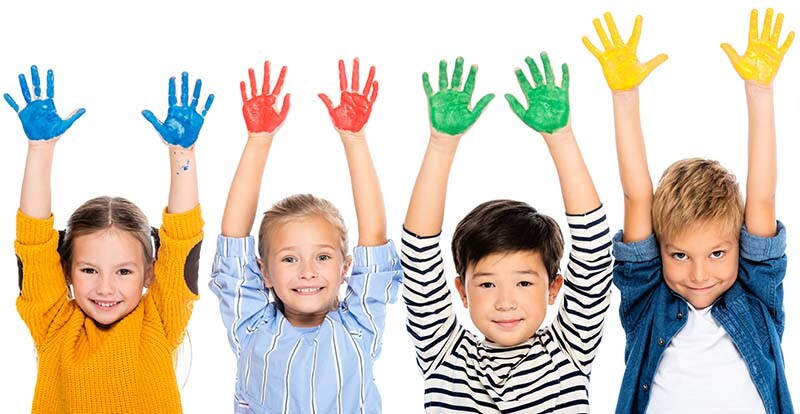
<point>349,112</point>
<point>450,111</point>
<point>763,56</point>
<point>260,112</point>
<point>622,68</point>
<point>183,123</point>
<point>355,105</point>
<point>548,104</point>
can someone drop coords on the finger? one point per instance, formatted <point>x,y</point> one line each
<point>243,88</point>
<point>209,101</point>
<point>265,85</point>
<point>732,55</point>
<point>370,78</point>
<point>548,70</point>
<point>11,102</point>
<point>534,69</point>
<point>252,75</point>
<point>374,94</point>
<point>327,101</point>
<point>342,77</point>
<point>279,84</point>
<point>184,88</point>
<point>517,107</point>
<point>196,94</point>
<point>74,117</point>
<point>50,84</point>
<point>654,62</point>
<point>23,85</point>
<point>787,43</point>
<point>612,29</point>
<point>354,79</point>
<point>633,42</point>
<point>753,35</point>
<point>564,77</point>
<point>469,86</point>
<point>481,105</point>
<point>148,115</point>
<point>457,73</point>
<point>776,31</point>
<point>426,85</point>
<point>592,49</point>
<point>442,74</point>
<point>284,108</point>
<point>172,99</point>
<point>601,33</point>
<point>523,82</point>
<point>37,85</point>
<point>765,31</point>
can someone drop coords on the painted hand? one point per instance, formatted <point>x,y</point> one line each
<point>762,58</point>
<point>183,123</point>
<point>621,67</point>
<point>548,104</point>
<point>354,107</point>
<point>260,112</point>
<point>39,118</point>
<point>449,107</point>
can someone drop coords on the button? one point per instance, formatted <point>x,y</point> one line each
<point>679,315</point>
<point>645,387</point>
<point>661,341</point>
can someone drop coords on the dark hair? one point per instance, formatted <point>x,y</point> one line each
<point>506,226</point>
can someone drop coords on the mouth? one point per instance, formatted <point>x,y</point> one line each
<point>309,291</point>
<point>508,323</point>
<point>105,304</point>
<point>701,289</point>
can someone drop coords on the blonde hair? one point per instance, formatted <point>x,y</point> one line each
<point>696,190</point>
<point>296,207</point>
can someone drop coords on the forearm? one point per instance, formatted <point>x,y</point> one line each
<point>577,188</point>
<point>35,198</point>
<point>426,209</point>
<point>240,209</point>
<point>183,180</point>
<point>366,190</point>
<point>633,170</point>
<point>761,160</point>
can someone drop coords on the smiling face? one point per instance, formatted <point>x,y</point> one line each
<point>305,267</point>
<point>108,273</point>
<point>507,295</point>
<point>702,263</point>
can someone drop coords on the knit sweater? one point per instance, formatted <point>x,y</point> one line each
<point>127,367</point>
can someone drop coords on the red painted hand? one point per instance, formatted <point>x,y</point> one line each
<point>260,112</point>
<point>354,109</point>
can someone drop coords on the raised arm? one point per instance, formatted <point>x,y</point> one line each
<point>758,67</point>
<point>349,119</point>
<point>624,73</point>
<point>263,119</point>
<point>451,117</point>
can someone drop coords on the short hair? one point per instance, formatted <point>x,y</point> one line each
<point>102,213</point>
<point>696,190</point>
<point>506,226</point>
<point>295,207</point>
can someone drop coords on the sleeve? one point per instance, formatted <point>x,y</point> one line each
<point>762,268</point>
<point>431,321</point>
<point>174,288</point>
<point>43,288</point>
<point>373,284</point>
<point>587,288</point>
<point>637,275</point>
<point>236,281</point>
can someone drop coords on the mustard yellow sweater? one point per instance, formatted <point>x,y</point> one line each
<point>127,368</point>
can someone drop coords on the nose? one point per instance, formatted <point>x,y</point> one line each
<point>309,271</point>
<point>505,300</point>
<point>105,285</point>
<point>699,272</point>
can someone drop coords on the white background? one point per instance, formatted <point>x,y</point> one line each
<point>114,59</point>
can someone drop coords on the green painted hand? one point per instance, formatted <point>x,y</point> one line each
<point>450,106</point>
<point>548,104</point>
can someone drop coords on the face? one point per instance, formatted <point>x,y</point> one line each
<point>108,274</point>
<point>305,267</point>
<point>507,295</point>
<point>701,264</point>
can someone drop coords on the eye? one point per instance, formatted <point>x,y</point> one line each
<point>680,256</point>
<point>717,254</point>
<point>125,272</point>
<point>525,283</point>
<point>324,257</point>
<point>486,285</point>
<point>88,270</point>
<point>289,259</point>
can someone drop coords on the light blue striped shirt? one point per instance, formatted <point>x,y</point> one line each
<point>324,369</point>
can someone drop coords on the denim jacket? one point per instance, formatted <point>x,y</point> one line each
<point>751,312</point>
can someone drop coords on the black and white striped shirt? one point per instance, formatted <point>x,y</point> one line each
<point>549,373</point>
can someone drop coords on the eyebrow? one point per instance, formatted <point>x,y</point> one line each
<point>291,248</point>
<point>125,264</point>
<point>715,247</point>
<point>517,272</point>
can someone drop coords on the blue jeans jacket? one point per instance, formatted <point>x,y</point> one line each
<point>751,312</point>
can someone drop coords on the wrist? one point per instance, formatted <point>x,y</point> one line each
<point>625,95</point>
<point>350,137</point>
<point>443,141</point>
<point>260,137</point>
<point>755,89</point>
<point>42,146</point>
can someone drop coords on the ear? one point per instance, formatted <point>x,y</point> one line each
<point>462,290</point>
<point>553,289</point>
<point>348,261</point>
<point>264,274</point>
<point>149,275</point>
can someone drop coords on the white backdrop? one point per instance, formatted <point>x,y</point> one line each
<point>114,59</point>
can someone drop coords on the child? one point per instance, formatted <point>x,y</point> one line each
<point>701,294</point>
<point>305,351</point>
<point>507,258</point>
<point>103,346</point>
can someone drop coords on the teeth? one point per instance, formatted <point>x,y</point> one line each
<point>308,290</point>
<point>105,304</point>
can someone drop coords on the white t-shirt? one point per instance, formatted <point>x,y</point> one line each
<point>701,371</point>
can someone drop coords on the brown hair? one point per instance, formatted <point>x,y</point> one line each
<point>506,226</point>
<point>696,190</point>
<point>103,213</point>
<point>296,207</point>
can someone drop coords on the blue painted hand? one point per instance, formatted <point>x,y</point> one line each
<point>183,122</point>
<point>39,118</point>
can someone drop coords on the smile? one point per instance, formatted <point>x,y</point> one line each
<point>308,291</point>
<point>508,324</point>
<point>105,304</point>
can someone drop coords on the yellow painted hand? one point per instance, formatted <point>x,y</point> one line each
<point>621,67</point>
<point>762,58</point>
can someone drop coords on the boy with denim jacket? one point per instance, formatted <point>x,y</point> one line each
<point>700,272</point>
